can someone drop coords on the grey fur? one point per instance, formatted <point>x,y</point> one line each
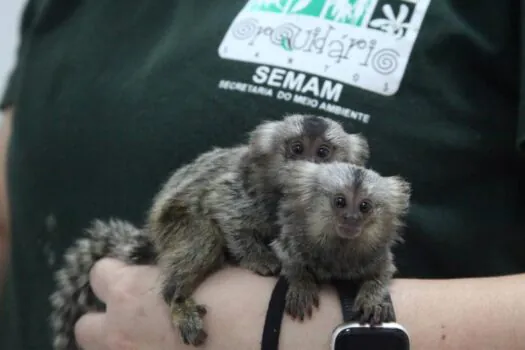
<point>227,209</point>
<point>310,244</point>
<point>73,296</point>
<point>221,206</point>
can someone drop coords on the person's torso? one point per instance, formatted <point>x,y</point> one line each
<point>116,95</point>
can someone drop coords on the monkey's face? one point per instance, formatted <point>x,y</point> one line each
<point>348,202</point>
<point>310,138</point>
<point>312,149</point>
<point>352,211</point>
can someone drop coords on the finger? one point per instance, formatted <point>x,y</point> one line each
<point>89,331</point>
<point>103,274</point>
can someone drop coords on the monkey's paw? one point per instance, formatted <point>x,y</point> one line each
<point>268,265</point>
<point>301,299</point>
<point>372,313</point>
<point>188,316</point>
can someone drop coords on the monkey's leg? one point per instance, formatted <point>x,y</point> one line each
<point>371,305</point>
<point>196,251</point>
<point>303,291</point>
<point>252,253</point>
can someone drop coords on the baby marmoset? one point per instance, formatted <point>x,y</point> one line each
<point>339,221</point>
<point>222,203</point>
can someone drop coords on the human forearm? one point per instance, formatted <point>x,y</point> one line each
<point>5,132</point>
<point>461,314</point>
<point>464,314</point>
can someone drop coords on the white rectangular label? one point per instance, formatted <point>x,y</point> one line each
<point>363,43</point>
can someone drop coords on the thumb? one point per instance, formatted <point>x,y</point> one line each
<point>102,274</point>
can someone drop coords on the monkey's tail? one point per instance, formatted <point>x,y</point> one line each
<point>73,296</point>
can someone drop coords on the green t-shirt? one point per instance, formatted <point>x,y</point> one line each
<point>111,96</point>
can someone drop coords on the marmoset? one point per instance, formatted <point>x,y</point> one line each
<point>203,215</point>
<point>339,221</point>
<point>220,206</point>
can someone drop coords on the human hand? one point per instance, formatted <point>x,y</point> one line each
<point>136,317</point>
<point>236,300</point>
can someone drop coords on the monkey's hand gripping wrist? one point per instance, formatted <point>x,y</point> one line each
<point>264,263</point>
<point>188,317</point>
<point>371,305</point>
<point>301,298</point>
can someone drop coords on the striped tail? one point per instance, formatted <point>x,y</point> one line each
<point>73,296</point>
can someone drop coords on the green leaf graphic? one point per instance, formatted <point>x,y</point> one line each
<point>286,44</point>
<point>300,5</point>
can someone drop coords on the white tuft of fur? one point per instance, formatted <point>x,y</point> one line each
<point>360,149</point>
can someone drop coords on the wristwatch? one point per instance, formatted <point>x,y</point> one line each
<point>351,335</point>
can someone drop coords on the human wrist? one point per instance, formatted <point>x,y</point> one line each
<point>237,302</point>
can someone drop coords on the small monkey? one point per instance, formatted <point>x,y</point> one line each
<point>203,216</point>
<point>222,206</point>
<point>339,221</point>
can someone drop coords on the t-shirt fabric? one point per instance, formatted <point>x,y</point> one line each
<point>112,96</point>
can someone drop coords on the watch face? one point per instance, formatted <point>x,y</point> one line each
<point>378,338</point>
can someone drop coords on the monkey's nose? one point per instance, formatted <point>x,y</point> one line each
<point>351,218</point>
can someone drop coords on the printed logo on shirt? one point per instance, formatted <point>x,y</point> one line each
<point>310,49</point>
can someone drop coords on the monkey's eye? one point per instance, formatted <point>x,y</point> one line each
<point>297,148</point>
<point>365,206</point>
<point>323,152</point>
<point>340,202</point>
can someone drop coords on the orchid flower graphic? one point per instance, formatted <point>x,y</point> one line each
<point>393,25</point>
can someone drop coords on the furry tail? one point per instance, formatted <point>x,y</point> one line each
<point>73,296</point>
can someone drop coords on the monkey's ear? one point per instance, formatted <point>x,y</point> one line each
<point>261,138</point>
<point>400,192</point>
<point>359,149</point>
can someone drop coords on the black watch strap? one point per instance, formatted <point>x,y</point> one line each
<point>347,291</point>
<point>274,316</point>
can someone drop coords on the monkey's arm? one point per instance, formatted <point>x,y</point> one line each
<point>184,264</point>
<point>461,314</point>
<point>189,247</point>
<point>370,305</point>
<point>252,253</point>
<point>303,290</point>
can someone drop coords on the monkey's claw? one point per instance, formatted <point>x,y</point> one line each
<point>301,300</point>
<point>189,319</point>
<point>201,310</point>
<point>373,313</point>
<point>192,336</point>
